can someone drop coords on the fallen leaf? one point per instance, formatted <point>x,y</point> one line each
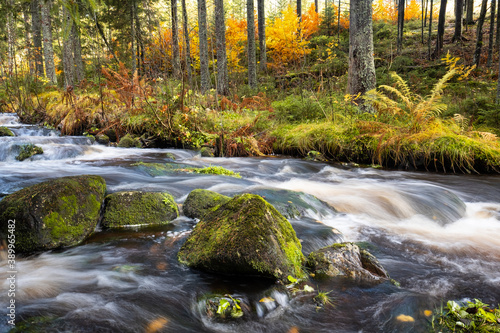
<point>405,319</point>
<point>156,325</point>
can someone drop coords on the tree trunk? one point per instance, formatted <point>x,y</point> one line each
<point>187,44</point>
<point>220,36</point>
<point>440,32</point>
<point>28,37</point>
<point>361,75</point>
<point>36,26</point>
<point>492,33</point>
<point>202,32</point>
<point>133,37</point>
<point>175,41</point>
<point>139,41</point>
<point>48,50</point>
<point>401,21</point>
<point>261,21</point>
<point>469,15</point>
<point>68,61</point>
<point>479,40</point>
<point>497,39</point>
<point>77,54</point>
<point>316,5</point>
<point>299,9</point>
<point>498,80</point>
<point>430,31</point>
<point>252,61</point>
<point>459,6</point>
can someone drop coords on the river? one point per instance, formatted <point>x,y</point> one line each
<point>129,280</point>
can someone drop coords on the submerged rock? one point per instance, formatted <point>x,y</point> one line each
<point>59,212</point>
<point>347,260</point>
<point>245,236</point>
<point>292,204</point>
<point>200,202</point>
<point>28,150</point>
<point>5,131</point>
<point>136,208</point>
<point>315,156</point>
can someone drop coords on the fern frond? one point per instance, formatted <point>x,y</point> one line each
<point>381,102</point>
<point>399,94</point>
<point>441,84</point>
<point>403,86</point>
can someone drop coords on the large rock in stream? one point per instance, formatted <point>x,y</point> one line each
<point>245,236</point>
<point>138,208</point>
<point>55,213</point>
<point>346,260</point>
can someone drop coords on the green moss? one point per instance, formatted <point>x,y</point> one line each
<point>139,208</point>
<point>4,131</point>
<point>200,202</point>
<point>161,169</point>
<point>129,142</point>
<point>59,212</point>
<point>246,235</point>
<point>28,150</point>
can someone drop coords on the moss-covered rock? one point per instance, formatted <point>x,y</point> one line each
<point>4,131</point>
<point>346,260</point>
<point>136,208</point>
<point>129,142</point>
<point>207,152</point>
<point>315,156</point>
<point>102,139</point>
<point>28,150</point>
<point>245,236</point>
<point>59,212</point>
<point>199,202</point>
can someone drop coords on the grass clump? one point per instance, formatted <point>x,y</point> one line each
<point>322,299</point>
<point>470,317</point>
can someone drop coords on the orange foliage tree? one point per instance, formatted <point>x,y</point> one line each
<point>236,41</point>
<point>385,10</point>
<point>286,37</point>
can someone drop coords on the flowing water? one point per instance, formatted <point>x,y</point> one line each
<point>129,280</point>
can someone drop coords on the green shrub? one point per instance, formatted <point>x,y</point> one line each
<point>296,108</point>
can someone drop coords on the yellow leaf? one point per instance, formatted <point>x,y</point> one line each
<point>405,319</point>
<point>267,300</point>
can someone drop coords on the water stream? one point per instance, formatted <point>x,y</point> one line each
<point>438,235</point>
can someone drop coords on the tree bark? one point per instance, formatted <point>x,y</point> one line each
<point>187,44</point>
<point>440,32</point>
<point>459,6</point>
<point>469,15</point>
<point>492,33</point>
<point>48,50</point>
<point>299,9</point>
<point>36,26</point>
<point>202,32</point>
<point>497,39</point>
<point>316,5</point>
<point>261,21</point>
<point>139,41</point>
<point>28,37</point>
<point>133,37</point>
<point>175,42</point>
<point>361,75</point>
<point>220,36</point>
<point>479,40</point>
<point>401,22</point>
<point>77,54</point>
<point>430,31</point>
<point>252,61</point>
<point>68,61</point>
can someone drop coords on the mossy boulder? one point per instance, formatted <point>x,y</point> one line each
<point>315,156</point>
<point>346,260</point>
<point>28,150</point>
<point>138,208</point>
<point>207,152</point>
<point>200,202</point>
<point>4,131</point>
<point>102,139</point>
<point>245,236</point>
<point>55,213</point>
<point>129,142</point>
